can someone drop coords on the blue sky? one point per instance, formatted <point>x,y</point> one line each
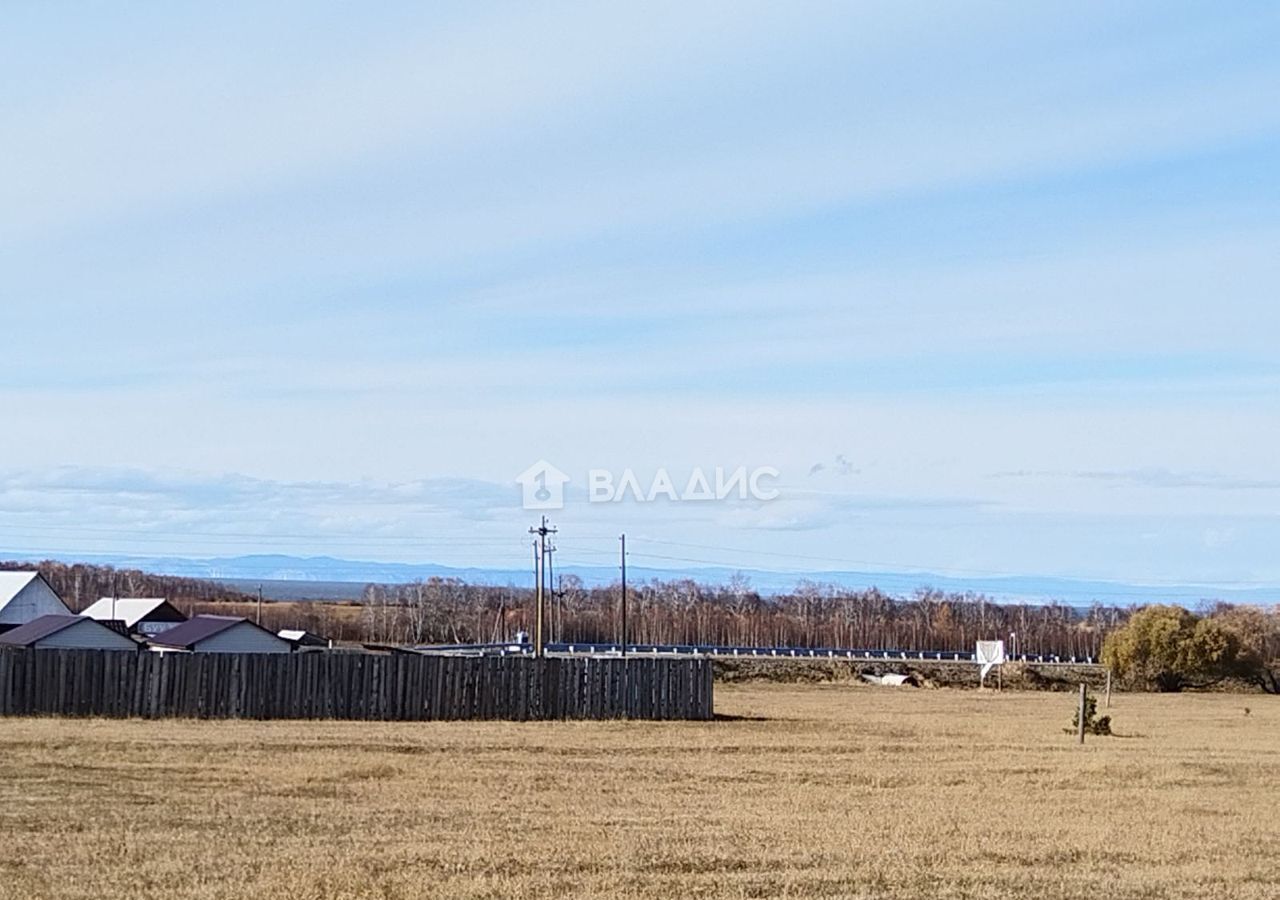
<point>313,278</point>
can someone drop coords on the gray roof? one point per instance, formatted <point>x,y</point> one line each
<point>11,583</point>
<point>197,629</point>
<point>38,629</point>
<point>299,636</point>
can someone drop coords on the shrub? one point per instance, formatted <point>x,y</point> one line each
<point>1093,723</point>
<point>1168,648</point>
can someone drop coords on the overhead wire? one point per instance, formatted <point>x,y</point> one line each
<point>481,549</point>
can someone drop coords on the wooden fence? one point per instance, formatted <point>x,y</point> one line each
<point>349,686</point>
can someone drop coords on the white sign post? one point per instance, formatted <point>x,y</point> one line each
<point>989,655</point>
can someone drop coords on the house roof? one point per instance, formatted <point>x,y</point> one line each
<point>38,629</point>
<point>129,610</point>
<point>299,636</point>
<point>197,629</point>
<point>11,583</point>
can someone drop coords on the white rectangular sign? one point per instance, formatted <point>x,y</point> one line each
<point>989,655</point>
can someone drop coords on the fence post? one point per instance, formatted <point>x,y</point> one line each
<point>1080,717</point>
<point>1108,688</point>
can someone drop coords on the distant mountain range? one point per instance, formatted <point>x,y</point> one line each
<point>324,577</point>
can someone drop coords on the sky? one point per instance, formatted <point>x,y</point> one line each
<point>991,286</point>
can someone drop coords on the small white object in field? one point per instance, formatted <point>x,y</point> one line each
<point>892,679</point>
<point>989,654</point>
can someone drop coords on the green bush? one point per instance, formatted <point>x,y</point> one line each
<point>1093,723</point>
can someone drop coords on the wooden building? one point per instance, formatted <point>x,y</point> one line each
<point>141,615</point>
<point>66,632</point>
<point>25,596</point>
<point>219,634</point>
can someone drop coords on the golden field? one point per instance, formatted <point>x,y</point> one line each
<point>809,791</point>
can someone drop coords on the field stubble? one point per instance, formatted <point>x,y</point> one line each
<point>808,791</point>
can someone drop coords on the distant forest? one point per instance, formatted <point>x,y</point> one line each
<point>446,610</point>
<point>686,612</point>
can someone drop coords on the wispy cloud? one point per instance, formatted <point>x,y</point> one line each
<point>1153,477</point>
<point>376,264</point>
<point>183,512</point>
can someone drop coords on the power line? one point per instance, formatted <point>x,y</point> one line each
<point>623,558</point>
<point>362,537</point>
<point>830,559</point>
<point>1137,592</point>
<point>908,569</point>
<point>482,549</point>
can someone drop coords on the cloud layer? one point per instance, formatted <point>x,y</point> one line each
<point>350,274</point>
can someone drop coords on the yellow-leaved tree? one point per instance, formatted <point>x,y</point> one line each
<point>1169,648</point>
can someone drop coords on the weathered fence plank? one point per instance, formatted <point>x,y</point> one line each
<point>350,686</point>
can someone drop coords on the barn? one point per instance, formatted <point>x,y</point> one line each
<point>66,632</point>
<point>219,634</point>
<point>141,615</point>
<point>25,596</point>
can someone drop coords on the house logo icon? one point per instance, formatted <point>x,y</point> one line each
<point>543,486</point>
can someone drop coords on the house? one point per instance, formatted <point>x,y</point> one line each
<point>141,615</point>
<point>219,634</point>
<point>66,632</point>
<point>25,596</point>
<point>304,639</point>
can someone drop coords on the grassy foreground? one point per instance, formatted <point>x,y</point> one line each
<point>815,791</point>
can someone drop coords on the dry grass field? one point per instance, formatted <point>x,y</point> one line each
<point>812,791</point>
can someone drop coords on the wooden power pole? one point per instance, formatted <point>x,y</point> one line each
<point>623,539</point>
<point>539,558</point>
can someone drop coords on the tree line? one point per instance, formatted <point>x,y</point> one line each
<point>682,611</point>
<point>1170,648</point>
<point>1152,647</point>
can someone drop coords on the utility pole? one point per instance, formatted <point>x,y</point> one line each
<point>553,623</point>
<point>623,538</point>
<point>498,635</point>
<point>626,681</point>
<point>539,557</point>
<point>537,601</point>
<point>537,575</point>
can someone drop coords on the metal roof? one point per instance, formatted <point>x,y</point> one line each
<point>129,610</point>
<point>38,629</point>
<point>12,583</point>
<point>196,629</point>
<point>299,636</point>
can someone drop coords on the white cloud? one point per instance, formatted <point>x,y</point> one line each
<point>379,269</point>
